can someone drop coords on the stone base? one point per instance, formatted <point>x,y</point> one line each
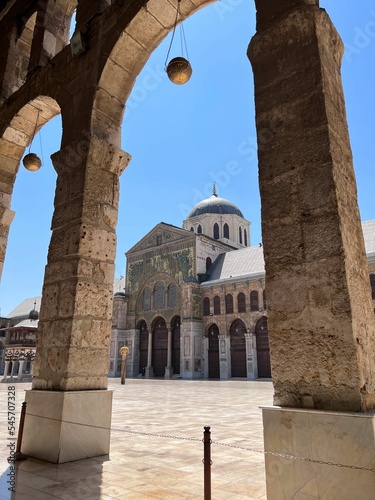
<point>49,436</point>
<point>342,438</point>
<point>168,372</point>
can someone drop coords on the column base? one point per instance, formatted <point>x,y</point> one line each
<point>49,434</point>
<point>168,372</point>
<point>337,437</point>
<point>149,373</point>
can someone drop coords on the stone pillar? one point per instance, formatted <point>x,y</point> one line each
<point>6,218</point>
<point>75,318</point>
<point>169,367</point>
<point>6,368</point>
<point>20,369</point>
<point>320,315</point>
<point>149,370</point>
<point>321,319</point>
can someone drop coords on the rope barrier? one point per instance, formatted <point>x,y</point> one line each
<point>218,443</point>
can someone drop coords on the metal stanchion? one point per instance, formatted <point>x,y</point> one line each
<point>19,455</point>
<point>207,462</point>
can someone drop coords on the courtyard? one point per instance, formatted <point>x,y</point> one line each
<point>156,445</point>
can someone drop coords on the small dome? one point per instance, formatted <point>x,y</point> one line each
<point>214,205</point>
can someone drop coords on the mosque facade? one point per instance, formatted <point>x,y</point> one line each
<point>192,304</point>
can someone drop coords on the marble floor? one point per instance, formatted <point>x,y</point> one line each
<point>158,466</point>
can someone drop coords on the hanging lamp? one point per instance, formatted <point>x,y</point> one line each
<point>31,161</point>
<point>178,69</point>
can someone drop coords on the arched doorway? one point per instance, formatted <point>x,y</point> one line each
<point>176,345</point>
<point>238,349</point>
<point>143,346</point>
<point>159,346</point>
<point>263,348</point>
<point>213,352</point>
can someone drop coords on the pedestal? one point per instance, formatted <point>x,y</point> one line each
<point>50,434</point>
<point>337,437</point>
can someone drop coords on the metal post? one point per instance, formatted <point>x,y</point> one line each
<point>19,455</point>
<point>207,462</point>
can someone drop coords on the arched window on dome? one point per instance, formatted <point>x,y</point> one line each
<point>245,237</point>
<point>208,263</point>
<point>226,231</point>
<point>158,298</point>
<point>192,229</point>
<point>217,305</point>
<point>240,235</point>
<point>254,301</point>
<point>216,231</point>
<point>146,303</point>
<point>229,304</point>
<point>199,231</point>
<point>241,303</point>
<point>206,306</point>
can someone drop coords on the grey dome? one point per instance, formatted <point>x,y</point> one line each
<point>214,205</point>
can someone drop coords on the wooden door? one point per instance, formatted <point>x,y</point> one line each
<point>159,350</point>
<point>213,354</point>
<point>143,349</point>
<point>176,350</point>
<point>263,348</point>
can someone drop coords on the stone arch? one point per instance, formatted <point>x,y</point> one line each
<point>129,50</point>
<point>16,137</point>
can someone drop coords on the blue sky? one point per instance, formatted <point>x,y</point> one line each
<point>183,138</point>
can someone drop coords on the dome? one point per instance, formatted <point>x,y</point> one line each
<point>33,315</point>
<point>214,205</point>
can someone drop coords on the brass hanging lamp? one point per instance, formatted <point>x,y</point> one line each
<point>178,69</point>
<point>31,161</point>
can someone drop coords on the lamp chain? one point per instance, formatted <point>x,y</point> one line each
<point>174,30</point>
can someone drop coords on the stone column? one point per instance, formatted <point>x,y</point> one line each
<point>20,369</point>
<point>6,218</point>
<point>320,316</point>
<point>75,317</point>
<point>169,367</point>
<point>6,368</point>
<point>149,370</point>
<point>321,330</point>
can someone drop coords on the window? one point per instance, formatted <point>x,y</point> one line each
<point>229,304</point>
<point>208,263</point>
<point>206,306</point>
<point>240,235</point>
<point>245,237</point>
<point>254,301</point>
<point>216,231</point>
<point>265,301</point>
<point>226,231</point>
<point>158,302</point>
<point>158,239</point>
<point>146,304</point>
<point>171,295</point>
<point>192,229</point>
<point>199,229</point>
<point>217,305</point>
<point>241,303</point>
